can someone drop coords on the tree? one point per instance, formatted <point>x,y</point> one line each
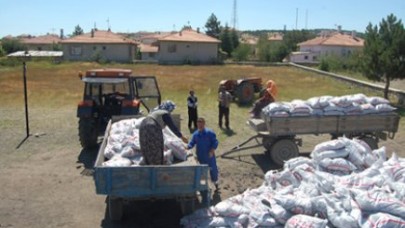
<point>384,52</point>
<point>213,26</point>
<point>263,46</point>
<point>78,31</point>
<point>292,38</point>
<point>235,39</point>
<point>226,40</point>
<point>11,45</point>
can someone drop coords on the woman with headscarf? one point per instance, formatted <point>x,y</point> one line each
<point>265,100</point>
<point>268,97</point>
<point>151,135</point>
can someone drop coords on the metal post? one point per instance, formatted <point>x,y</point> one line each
<point>25,99</point>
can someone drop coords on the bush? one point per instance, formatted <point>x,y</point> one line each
<point>336,64</point>
<point>324,65</point>
<point>2,52</point>
<point>241,53</point>
<point>6,61</point>
<point>98,58</point>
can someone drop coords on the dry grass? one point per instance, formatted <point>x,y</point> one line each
<point>58,85</point>
<point>54,87</point>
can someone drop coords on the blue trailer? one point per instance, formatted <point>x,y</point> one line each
<point>180,181</point>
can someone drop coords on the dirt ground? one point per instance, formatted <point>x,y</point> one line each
<point>46,178</point>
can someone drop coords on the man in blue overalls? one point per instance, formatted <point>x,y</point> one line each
<point>206,143</point>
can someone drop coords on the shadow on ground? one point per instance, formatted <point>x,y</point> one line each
<point>86,160</point>
<point>151,214</point>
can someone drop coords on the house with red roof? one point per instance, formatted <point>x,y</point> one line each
<point>332,44</point>
<point>99,44</point>
<point>188,47</point>
<point>41,43</point>
<point>275,37</point>
<point>149,47</point>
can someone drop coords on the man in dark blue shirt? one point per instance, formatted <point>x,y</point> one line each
<point>192,103</point>
<point>206,143</point>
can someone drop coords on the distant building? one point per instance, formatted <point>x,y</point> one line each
<point>188,46</point>
<point>41,43</point>
<point>275,37</point>
<point>149,47</point>
<point>99,44</point>
<point>251,41</point>
<point>333,44</point>
<point>148,52</point>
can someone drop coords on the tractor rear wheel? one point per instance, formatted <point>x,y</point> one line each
<point>88,132</point>
<point>245,93</point>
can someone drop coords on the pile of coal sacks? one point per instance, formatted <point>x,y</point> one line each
<point>342,184</point>
<point>123,147</point>
<point>356,104</point>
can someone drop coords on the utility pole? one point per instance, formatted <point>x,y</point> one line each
<point>234,15</point>
<point>25,58</point>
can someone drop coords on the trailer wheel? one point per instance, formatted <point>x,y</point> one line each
<point>187,206</point>
<point>115,208</point>
<point>245,93</point>
<point>283,150</point>
<point>371,142</point>
<point>88,132</point>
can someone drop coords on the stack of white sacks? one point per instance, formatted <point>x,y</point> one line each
<point>357,104</point>
<point>343,184</point>
<point>123,148</point>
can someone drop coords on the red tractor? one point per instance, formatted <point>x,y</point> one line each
<point>112,92</point>
<point>243,89</point>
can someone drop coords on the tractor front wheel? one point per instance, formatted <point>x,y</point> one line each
<point>88,132</point>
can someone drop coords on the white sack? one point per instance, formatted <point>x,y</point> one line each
<point>305,221</point>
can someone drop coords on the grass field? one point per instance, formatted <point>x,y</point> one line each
<point>57,86</point>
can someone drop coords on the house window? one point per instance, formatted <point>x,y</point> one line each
<point>76,50</point>
<point>306,57</point>
<point>188,45</point>
<point>104,48</point>
<point>172,48</point>
<point>314,58</point>
<point>151,55</point>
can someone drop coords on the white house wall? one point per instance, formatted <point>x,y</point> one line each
<point>108,52</point>
<point>341,51</point>
<point>188,52</point>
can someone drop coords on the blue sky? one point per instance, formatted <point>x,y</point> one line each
<point>39,17</point>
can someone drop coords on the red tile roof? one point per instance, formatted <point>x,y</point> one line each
<point>148,48</point>
<point>275,37</point>
<point>189,35</point>
<point>46,39</point>
<point>335,39</point>
<point>99,36</point>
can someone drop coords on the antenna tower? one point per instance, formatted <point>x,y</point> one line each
<point>234,15</point>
